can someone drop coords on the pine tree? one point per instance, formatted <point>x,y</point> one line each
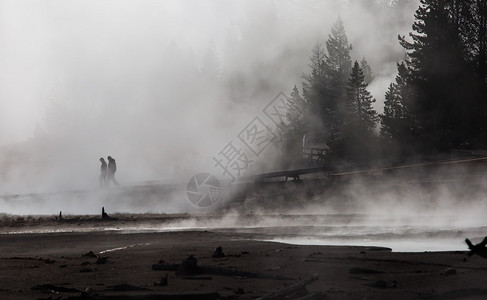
<point>338,69</point>
<point>368,76</point>
<point>316,91</point>
<point>392,114</point>
<point>297,109</point>
<point>464,15</point>
<point>324,88</point>
<point>358,140</point>
<point>394,119</point>
<point>361,114</point>
<point>480,15</point>
<point>470,19</point>
<point>292,133</point>
<point>439,77</point>
<point>470,16</point>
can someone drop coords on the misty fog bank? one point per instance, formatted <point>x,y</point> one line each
<point>406,212</point>
<point>438,191</point>
<point>160,86</point>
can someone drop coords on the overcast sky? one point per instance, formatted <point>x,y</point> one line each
<point>49,46</point>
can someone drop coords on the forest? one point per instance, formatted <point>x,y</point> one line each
<point>437,102</point>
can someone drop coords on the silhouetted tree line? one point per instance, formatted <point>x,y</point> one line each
<point>436,103</point>
<point>335,100</point>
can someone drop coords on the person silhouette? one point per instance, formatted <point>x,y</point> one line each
<point>103,172</point>
<point>112,168</point>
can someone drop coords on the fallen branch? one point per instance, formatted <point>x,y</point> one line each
<point>478,249</point>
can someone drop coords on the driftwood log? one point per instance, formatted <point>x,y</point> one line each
<point>478,249</point>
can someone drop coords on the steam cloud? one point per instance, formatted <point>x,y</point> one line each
<point>161,86</point>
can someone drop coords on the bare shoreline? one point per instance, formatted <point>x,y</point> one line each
<point>408,234</point>
<point>43,265</point>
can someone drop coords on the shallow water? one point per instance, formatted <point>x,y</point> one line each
<point>406,234</point>
<point>410,245</point>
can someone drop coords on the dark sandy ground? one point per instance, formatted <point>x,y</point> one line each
<point>56,266</point>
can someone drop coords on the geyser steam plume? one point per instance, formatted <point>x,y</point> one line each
<point>160,86</point>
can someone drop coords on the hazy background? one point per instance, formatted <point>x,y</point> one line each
<point>162,86</point>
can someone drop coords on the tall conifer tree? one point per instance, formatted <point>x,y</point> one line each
<point>394,119</point>
<point>293,132</point>
<point>316,91</point>
<point>361,115</point>
<point>364,65</point>
<point>338,69</point>
<point>439,77</point>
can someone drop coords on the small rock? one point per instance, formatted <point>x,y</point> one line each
<point>89,292</point>
<point>47,260</point>
<point>162,282</point>
<point>218,253</point>
<point>89,254</point>
<point>450,271</point>
<point>102,260</point>
<point>189,265</point>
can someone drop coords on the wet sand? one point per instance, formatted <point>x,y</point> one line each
<point>56,266</point>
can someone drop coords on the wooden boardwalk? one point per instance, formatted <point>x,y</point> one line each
<point>333,172</point>
<point>154,188</point>
<point>286,174</point>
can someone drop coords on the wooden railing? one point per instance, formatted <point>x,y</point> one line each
<point>312,154</point>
